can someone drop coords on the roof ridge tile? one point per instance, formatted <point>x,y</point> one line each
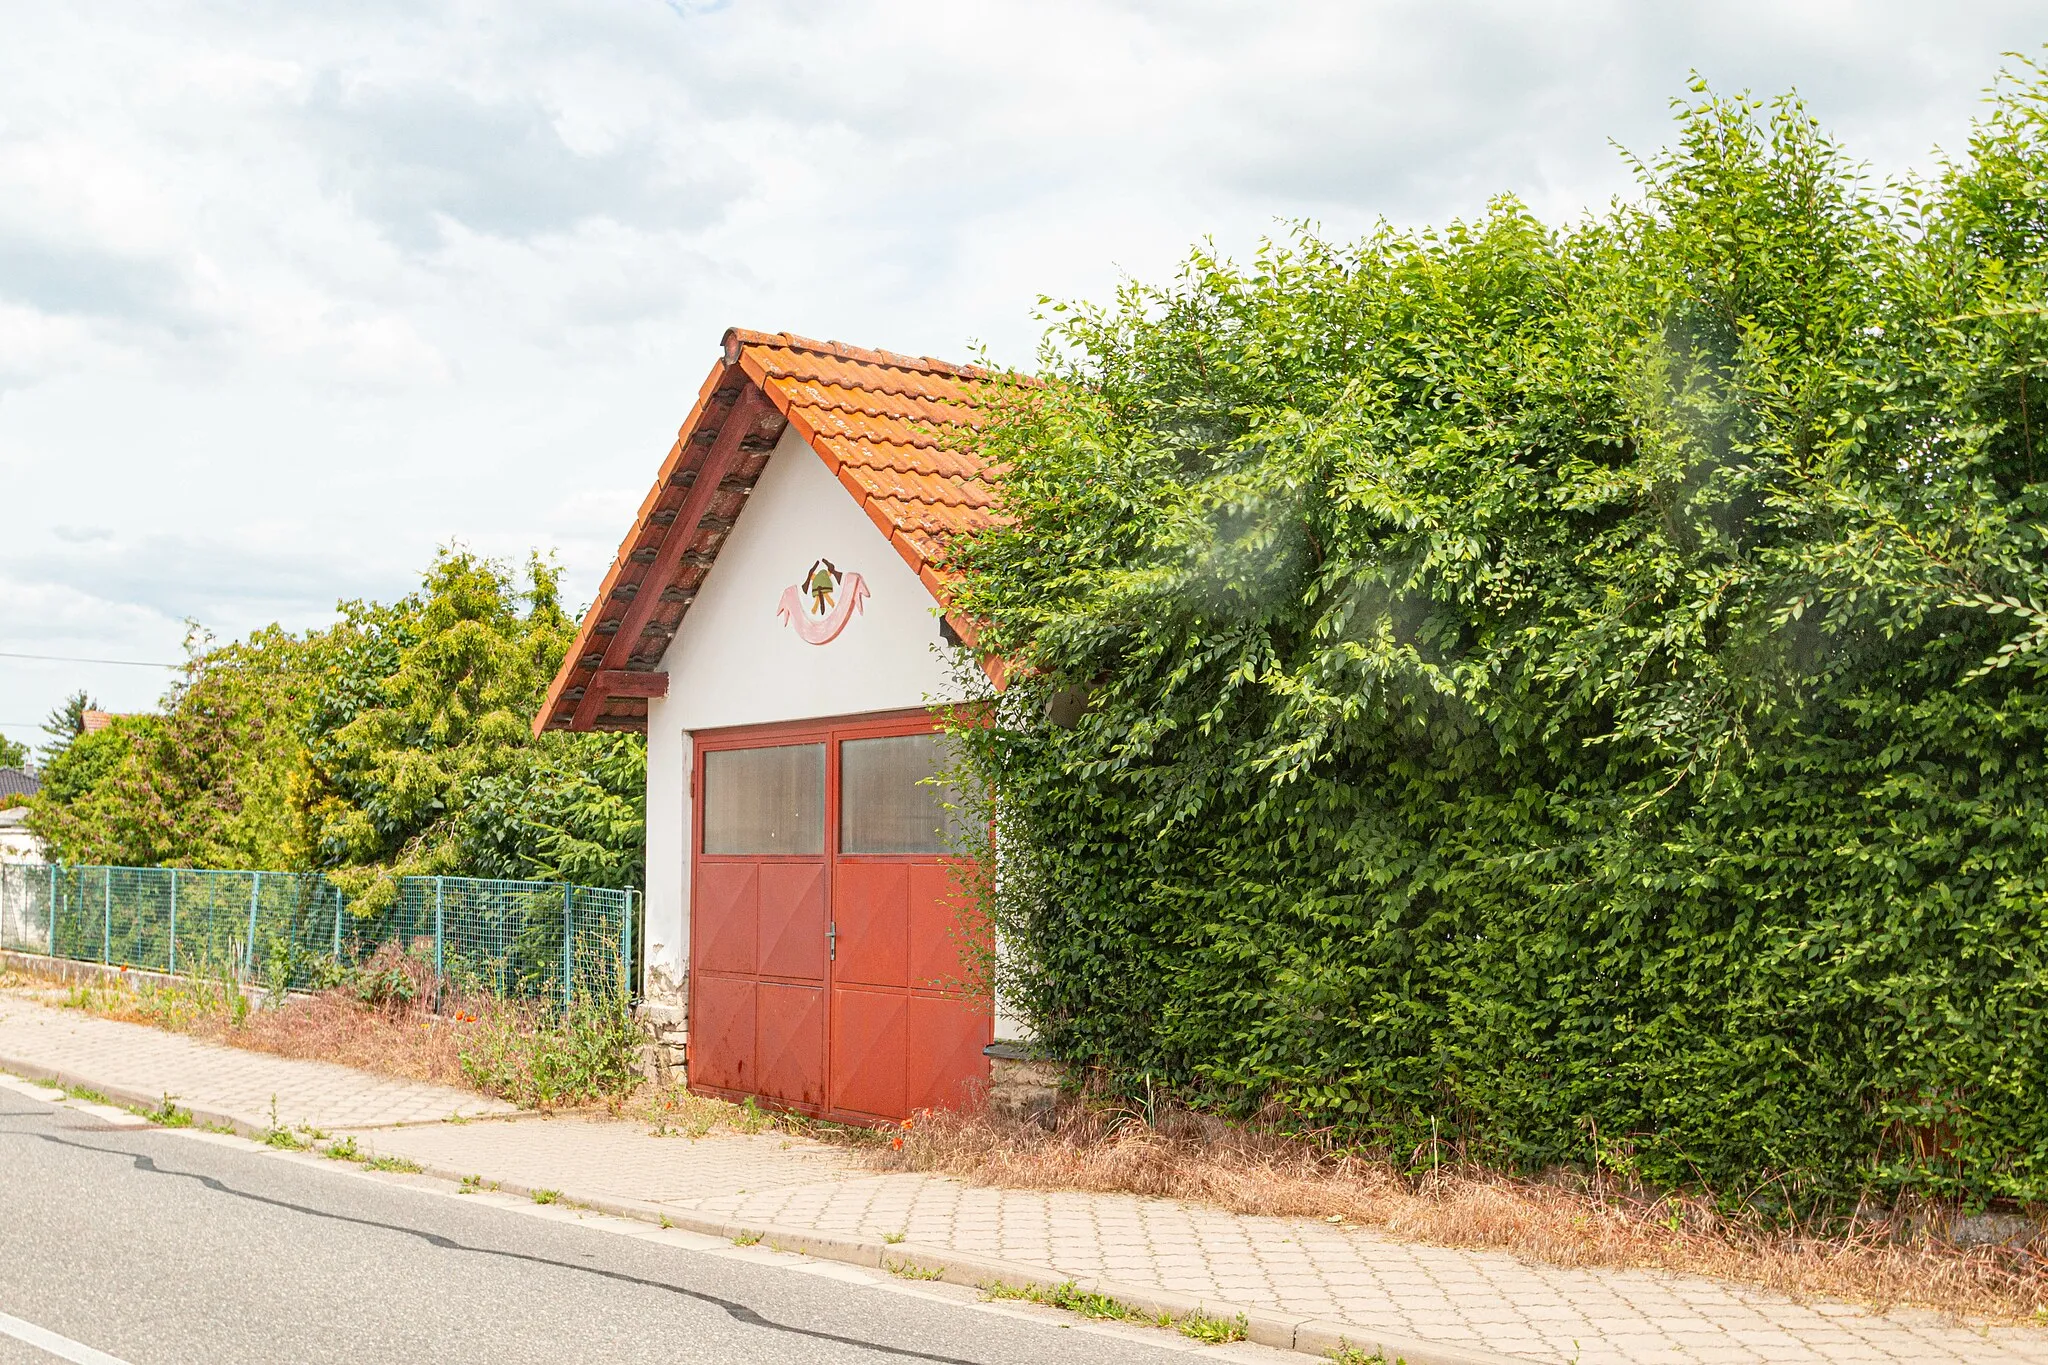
<point>737,337</point>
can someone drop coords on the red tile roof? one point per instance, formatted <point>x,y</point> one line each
<point>897,430</point>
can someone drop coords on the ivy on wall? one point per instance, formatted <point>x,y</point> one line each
<point>1576,691</point>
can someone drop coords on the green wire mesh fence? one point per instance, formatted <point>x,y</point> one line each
<point>545,941</point>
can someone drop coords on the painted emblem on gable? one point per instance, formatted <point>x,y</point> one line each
<point>818,606</point>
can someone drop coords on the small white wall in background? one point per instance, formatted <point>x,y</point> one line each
<point>665,952</point>
<point>17,845</point>
<point>734,662</point>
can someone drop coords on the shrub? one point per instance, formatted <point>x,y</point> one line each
<point>1572,694</point>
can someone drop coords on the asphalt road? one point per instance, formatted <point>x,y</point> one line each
<point>155,1247</point>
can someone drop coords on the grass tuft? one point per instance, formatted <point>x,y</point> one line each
<point>1205,1327</point>
<point>396,1165</point>
<point>1072,1299</point>
<point>167,1114</point>
<point>910,1270</point>
<point>1352,1355</point>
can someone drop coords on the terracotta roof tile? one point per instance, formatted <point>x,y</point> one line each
<point>899,433</point>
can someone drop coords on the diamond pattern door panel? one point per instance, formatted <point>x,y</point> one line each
<point>789,1024</point>
<point>727,918</point>
<point>792,921</point>
<point>946,1068</point>
<point>868,904</point>
<point>937,927</point>
<point>721,1048</point>
<point>869,1035</point>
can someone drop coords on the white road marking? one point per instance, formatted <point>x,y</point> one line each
<point>64,1348</point>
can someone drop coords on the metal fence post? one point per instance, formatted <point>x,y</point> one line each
<point>568,944</point>
<point>174,922</point>
<point>337,926</point>
<point>626,951</point>
<point>439,933</point>
<point>249,946</point>
<point>56,890</point>
<point>106,916</point>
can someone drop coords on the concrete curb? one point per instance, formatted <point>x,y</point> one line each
<point>1262,1325</point>
<point>125,1096</point>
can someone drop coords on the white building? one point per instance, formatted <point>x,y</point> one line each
<point>17,845</point>
<point>773,622</point>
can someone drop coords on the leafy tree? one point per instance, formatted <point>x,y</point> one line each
<point>13,753</point>
<point>395,742</point>
<point>1557,689</point>
<point>422,757</point>
<point>207,783</point>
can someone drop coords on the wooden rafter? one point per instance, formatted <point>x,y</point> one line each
<point>740,423</point>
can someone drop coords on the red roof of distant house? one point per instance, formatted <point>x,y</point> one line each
<point>94,721</point>
<point>897,431</point>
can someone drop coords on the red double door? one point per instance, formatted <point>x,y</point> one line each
<point>826,959</point>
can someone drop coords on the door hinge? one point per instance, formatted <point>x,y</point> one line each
<point>832,941</point>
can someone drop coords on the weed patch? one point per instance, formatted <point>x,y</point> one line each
<point>1351,1355</point>
<point>396,1165</point>
<point>540,1062</point>
<point>167,1114</point>
<point>1204,1327</point>
<point>1073,1300</point>
<point>910,1270</point>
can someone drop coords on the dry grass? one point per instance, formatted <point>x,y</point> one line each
<point>1199,1159</point>
<point>400,1037</point>
<point>384,1021</point>
<point>330,1026</point>
<point>675,1112</point>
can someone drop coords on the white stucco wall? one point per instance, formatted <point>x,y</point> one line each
<point>17,845</point>
<point>735,663</point>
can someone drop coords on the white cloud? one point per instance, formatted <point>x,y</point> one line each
<point>290,294</point>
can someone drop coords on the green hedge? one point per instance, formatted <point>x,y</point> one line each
<point>1529,687</point>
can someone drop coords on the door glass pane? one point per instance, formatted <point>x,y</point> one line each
<point>887,802</point>
<point>765,800</point>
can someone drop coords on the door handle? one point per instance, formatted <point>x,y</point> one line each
<point>832,941</point>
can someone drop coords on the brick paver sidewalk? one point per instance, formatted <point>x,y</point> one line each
<point>135,1062</point>
<point>1281,1268</point>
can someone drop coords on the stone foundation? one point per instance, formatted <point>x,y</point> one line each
<point>664,1057</point>
<point>1021,1084</point>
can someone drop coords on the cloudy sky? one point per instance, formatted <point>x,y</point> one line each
<point>291,294</point>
